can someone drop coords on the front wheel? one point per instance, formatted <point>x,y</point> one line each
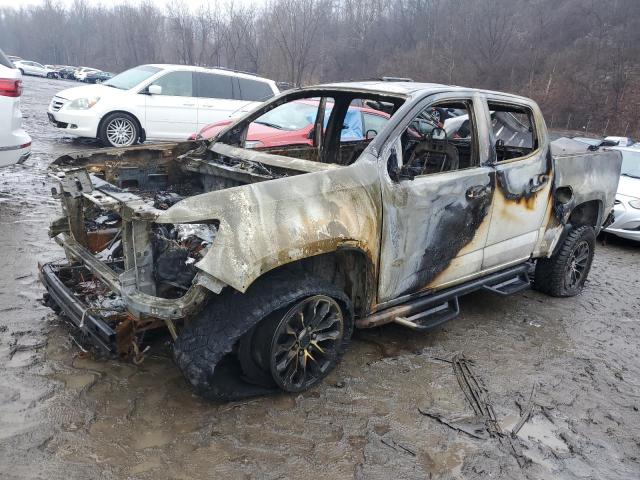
<point>283,332</point>
<point>119,130</point>
<point>297,347</point>
<point>564,273</point>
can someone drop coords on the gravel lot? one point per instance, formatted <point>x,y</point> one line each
<point>67,415</point>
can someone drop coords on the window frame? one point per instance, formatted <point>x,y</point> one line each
<point>476,104</point>
<point>196,85</point>
<point>240,95</point>
<point>536,137</point>
<point>171,72</point>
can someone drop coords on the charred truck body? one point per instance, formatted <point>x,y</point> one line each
<point>261,261</point>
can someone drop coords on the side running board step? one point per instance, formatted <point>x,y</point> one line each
<point>431,317</point>
<point>510,286</point>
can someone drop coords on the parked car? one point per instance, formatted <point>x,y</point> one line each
<point>592,142</point>
<point>81,73</point>
<point>15,143</point>
<point>627,205</point>
<point>98,77</point>
<point>158,102</point>
<point>617,142</point>
<point>260,262</point>
<point>67,72</point>
<point>292,124</point>
<point>58,68</point>
<point>27,67</point>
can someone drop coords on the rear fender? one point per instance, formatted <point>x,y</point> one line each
<point>582,181</point>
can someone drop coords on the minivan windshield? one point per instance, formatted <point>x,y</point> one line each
<point>132,77</point>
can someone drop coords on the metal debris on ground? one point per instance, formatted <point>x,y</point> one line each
<point>478,397</point>
<point>472,426</point>
<point>396,446</point>
<point>526,412</point>
<point>484,424</point>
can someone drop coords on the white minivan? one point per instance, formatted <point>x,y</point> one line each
<point>157,102</point>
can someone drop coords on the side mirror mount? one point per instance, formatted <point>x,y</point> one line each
<point>370,134</point>
<point>154,89</point>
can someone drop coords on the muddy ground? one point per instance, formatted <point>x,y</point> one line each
<point>67,415</point>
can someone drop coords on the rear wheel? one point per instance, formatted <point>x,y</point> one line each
<point>564,274</point>
<point>119,130</point>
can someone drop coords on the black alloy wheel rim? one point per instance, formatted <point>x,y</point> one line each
<point>577,265</point>
<point>306,342</point>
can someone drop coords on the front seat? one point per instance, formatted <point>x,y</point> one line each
<point>434,156</point>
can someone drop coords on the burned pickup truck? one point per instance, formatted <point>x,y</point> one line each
<point>259,261</point>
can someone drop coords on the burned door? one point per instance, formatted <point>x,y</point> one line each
<point>523,172</point>
<point>437,196</point>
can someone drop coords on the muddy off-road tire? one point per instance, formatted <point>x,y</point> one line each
<point>564,273</point>
<point>221,351</point>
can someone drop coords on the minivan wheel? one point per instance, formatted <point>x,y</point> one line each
<point>119,130</point>
<point>564,273</point>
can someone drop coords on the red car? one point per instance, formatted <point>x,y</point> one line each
<point>291,124</point>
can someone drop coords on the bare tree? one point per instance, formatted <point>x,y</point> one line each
<point>181,25</point>
<point>580,59</point>
<point>293,27</point>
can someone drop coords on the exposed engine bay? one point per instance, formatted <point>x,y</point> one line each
<point>98,191</point>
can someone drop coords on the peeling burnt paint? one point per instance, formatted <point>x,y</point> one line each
<point>456,228</point>
<point>529,191</point>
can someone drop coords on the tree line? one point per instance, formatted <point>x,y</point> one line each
<point>579,59</point>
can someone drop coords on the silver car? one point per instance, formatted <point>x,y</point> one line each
<point>627,205</point>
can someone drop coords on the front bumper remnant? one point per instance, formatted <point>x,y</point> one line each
<point>77,312</point>
<point>140,304</point>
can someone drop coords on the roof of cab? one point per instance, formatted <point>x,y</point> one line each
<point>406,88</point>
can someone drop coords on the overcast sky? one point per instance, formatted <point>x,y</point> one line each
<point>193,3</point>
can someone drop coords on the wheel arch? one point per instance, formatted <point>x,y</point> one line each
<point>349,268</point>
<point>587,213</point>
